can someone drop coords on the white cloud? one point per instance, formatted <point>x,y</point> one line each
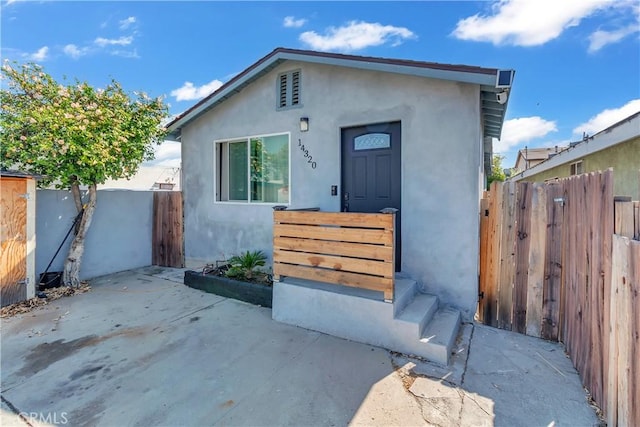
<point>126,53</point>
<point>607,118</point>
<point>527,22</point>
<point>39,55</point>
<point>521,130</point>
<point>189,92</point>
<point>167,154</point>
<point>599,39</point>
<point>121,41</point>
<point>292,22</point>
<point>74,51</point>
<point>126,23</point>
<point>356,35</point>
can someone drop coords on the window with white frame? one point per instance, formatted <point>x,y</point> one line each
<point>253,169</point>
<point>576,168</point>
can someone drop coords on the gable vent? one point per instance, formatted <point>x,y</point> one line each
<point>289,90</point>
<point>283,91</point>
<point>295,88</point>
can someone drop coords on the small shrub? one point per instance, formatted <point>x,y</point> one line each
<point>246,265</point>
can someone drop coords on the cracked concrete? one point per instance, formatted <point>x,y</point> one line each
<point>143,349</point>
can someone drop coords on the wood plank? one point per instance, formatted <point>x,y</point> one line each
<point>553,264</point>
<point>523,239</point>
<point>13,239</point>
<point>355,235</point>
<point>359,250</point>
<point>345,219</point>
<point>507,257</point>
<point>484,258</point>
<point>568,293</point>
<point>535,272</point>
<point>634,349</point>
<point>636,220</point>
<point>606,215</point>
<point>582,315</point>
<point>621,275</point>
<point>595,204</point>
<point>624,219</point>
<point>338,263</point>
<point>612,384</point>
<point>493,250</point>
<point>338,277</point>
<point>167,235</point>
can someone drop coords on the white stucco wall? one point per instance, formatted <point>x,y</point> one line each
<point>441,167</point>
<point>119,237</point>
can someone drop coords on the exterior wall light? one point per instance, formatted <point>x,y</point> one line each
<point>304,124</point>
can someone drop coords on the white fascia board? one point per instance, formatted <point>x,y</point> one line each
<point>608,138</point>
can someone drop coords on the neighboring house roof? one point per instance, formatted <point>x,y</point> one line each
<point>147,178</point>
<point>534,156</point>
<point>18,174</point>
<point>492,111</point>
<point>615,134</point>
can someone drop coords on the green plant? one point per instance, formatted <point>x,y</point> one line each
<point>246,265</point>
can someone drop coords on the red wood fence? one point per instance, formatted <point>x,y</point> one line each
<point>548,268</point>
<point>167,248</point>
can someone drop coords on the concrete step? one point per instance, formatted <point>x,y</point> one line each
<point>417,314</point>
<point>404,291</point>
<point>440,335</point>
<point>413,324</point>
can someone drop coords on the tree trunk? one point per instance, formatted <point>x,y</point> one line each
<point>77,198</point>
<point>71,273</point>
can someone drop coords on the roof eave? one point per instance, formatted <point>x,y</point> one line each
<point>485,77</point>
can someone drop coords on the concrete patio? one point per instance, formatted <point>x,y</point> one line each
<point>143,349</point>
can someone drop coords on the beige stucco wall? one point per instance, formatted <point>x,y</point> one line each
<point>624,158</point>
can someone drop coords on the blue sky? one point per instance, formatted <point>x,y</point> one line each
<point>577,62</point>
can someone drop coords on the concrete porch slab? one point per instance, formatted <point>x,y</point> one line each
<point>143,350</point>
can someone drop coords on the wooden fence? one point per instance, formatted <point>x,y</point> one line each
<point>346,248</point>
<point>167,243</point>
<point>13,236</point>
<point>622,392</point>
<point>548,269</point>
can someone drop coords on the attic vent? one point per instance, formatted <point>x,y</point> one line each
<point>289,90</point>
<point>283,91</point>
<point>295,88</point>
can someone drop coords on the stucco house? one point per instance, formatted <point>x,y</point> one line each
<point>345,133</point>
<point>530,157</point>
<point>617,147</point>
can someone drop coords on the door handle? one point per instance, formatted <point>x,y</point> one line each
<point>345,207</point>
<point>346,197</point>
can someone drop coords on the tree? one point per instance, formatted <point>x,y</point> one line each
<point>75,135</point>
<point>497,173</point>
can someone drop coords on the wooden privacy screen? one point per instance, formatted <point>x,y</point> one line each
<point>13,259</point>
<point>167,245</point>
<point>345,248</point>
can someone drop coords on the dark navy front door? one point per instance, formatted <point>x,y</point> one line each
<point>371,171</point>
